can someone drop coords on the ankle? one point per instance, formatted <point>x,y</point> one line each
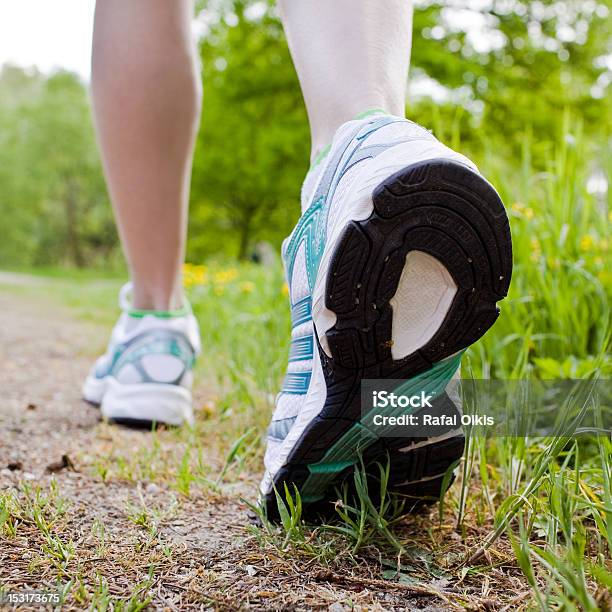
<point>322,138</point>
<point>158,299</point>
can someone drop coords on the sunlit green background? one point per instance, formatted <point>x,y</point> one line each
<point>523,88</point>
<point>520,86</point>
<point>506,81</point>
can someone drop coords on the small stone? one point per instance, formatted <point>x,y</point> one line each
<point>64,463</point>
<point>251,571</point>
<point>152,488</point>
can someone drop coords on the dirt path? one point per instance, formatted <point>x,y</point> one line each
<point>88,504</point>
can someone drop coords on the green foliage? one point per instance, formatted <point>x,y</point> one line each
<point>528,71</point>
<point>522,64</point>
<point>52,196</point>
<point>253,147</point>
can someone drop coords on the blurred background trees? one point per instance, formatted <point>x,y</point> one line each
<point>491,74</point>
<point>53,202</point>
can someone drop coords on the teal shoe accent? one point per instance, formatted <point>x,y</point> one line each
<point>312,226</point>
<point>301,349</point>
<point>296,383</point>
<point>301,311</point>
<point>279,429</point>
<point>346,451</point>
<point>153,342</point>
<point>322,154</point>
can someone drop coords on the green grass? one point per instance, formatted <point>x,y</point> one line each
<point>547,503</point>
<point>554,324</point>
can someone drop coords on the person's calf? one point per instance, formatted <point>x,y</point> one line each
<point>146,96</point>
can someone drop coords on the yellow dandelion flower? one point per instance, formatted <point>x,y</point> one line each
<point>226,276</point>
<point>200,276</point>
<point>529,214</point>
<point>587,243</point>
<point>285,289</point>
<point>194,274</point>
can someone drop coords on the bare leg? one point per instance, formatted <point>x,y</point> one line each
<point>351,56</point>
<point>146,95</point>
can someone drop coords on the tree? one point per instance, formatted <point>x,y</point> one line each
<point>52,196</point>
<point>253,148</point>
<point>526,65</point>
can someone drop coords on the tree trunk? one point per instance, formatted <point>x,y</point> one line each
<point>73,243</point>
<point>244,230</point>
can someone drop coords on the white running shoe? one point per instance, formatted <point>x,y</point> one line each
<point>145,376</point>
<point>395,267</point>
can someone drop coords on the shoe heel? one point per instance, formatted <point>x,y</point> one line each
<point>147,403</point>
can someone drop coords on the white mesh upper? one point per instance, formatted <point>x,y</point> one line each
<point>299,281</point>
<point>287,406</point>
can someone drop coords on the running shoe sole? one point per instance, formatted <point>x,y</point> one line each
<point>142,406</point>
<point>446,210</point>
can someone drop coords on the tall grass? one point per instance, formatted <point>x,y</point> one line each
<point>551,498</point>
<point>554,324</point>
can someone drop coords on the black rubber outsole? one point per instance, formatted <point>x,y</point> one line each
<point>141,424</point>
<point>441,208</point>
